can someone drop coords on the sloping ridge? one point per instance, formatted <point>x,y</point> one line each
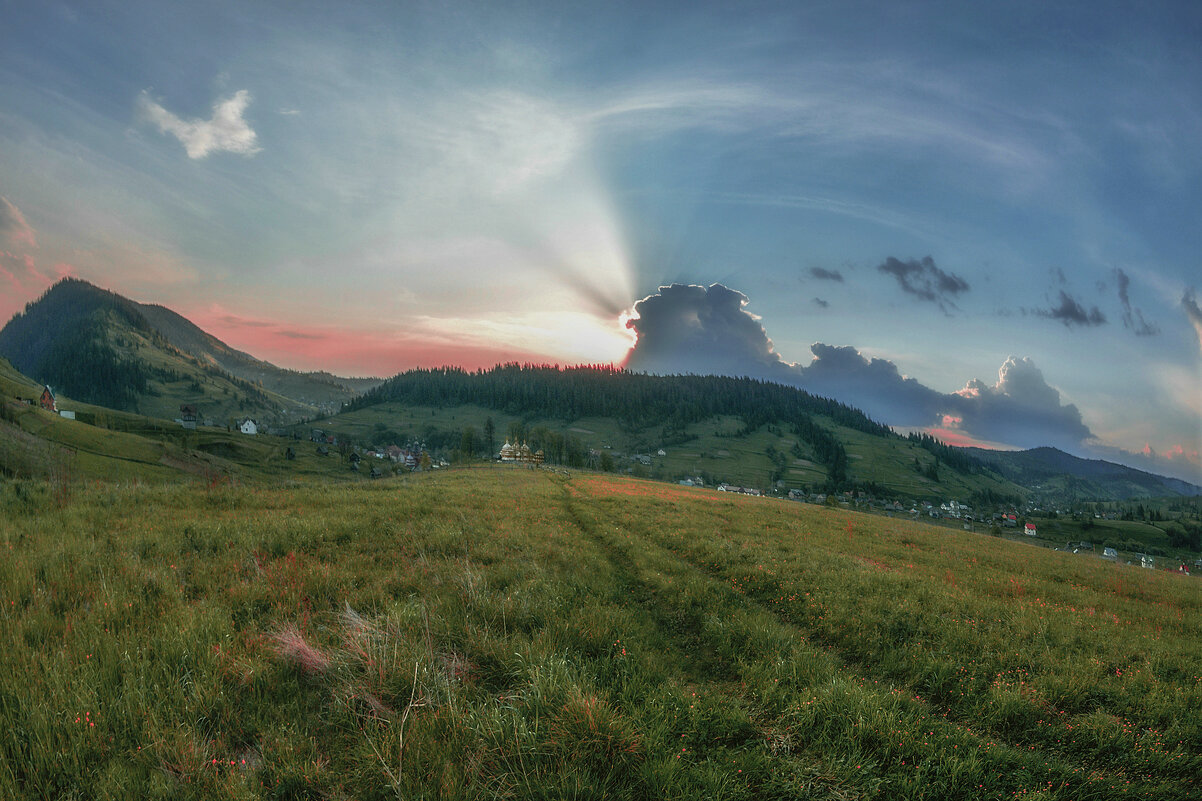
<point>1043,464</point>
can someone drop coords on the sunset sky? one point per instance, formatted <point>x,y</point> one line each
<point>982,220</point>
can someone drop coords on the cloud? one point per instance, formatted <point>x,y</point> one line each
<point>826,275</point>
<point>820,303</point>
<point>875,386</point>
<point>925,281</point>
<point>1133,318</point>
<point>708,331</point>
<point>13,226</point>
<point>704,330</point>
<point>1021,409</point>
<point>1190,304</point>
<point>225,130</point>
<point>1071,312</point>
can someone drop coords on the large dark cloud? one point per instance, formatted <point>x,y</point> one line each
<point>703,330</point>
<point>1133,318</point>
<point>1021,409</point>
<point>708,331</point>
<point>924,280</point>
<point>875,386</point>
<point>1071,312</point>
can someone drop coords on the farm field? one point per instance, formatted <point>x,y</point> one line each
<point>516,633</point>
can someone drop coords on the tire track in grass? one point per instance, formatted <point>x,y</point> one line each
<point>728,726</point>
<point>942,749</point>
<point>1058,764</point>
<point>680,630</point>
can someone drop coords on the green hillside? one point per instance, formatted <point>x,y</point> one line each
<point>102,348</point>
<point>510,633</point>
<point>737,431</point>
<point>108,445</point>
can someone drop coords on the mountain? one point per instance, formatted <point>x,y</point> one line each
<point>99,347</point>
<point>1053,472</point>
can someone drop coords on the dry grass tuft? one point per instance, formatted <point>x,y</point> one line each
<point>291,646</point>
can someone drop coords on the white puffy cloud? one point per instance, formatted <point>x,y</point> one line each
<point>225,130</point>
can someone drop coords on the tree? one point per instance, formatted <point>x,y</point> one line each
<point>490,437</point>
<point>467,443</point>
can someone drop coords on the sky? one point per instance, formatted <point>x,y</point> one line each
<point>977,220</point>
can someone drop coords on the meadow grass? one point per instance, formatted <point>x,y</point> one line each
<point>511,633</point>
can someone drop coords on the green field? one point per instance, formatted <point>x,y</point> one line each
<point>512,633</point>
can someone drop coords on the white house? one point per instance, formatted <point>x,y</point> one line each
<point>248,426</point>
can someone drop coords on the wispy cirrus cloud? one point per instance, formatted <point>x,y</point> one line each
<point>1071,312</point>
<point>226,130</point>
<point>925,281</point>
<point>1133,318</point>
<point>822,274</point>
<point>1190,304</point>
<point>13,226</point>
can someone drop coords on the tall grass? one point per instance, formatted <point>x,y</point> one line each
<point>518,634</point>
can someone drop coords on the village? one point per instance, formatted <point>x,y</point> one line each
<point>379,461</point>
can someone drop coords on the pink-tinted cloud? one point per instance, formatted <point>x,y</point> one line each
<point>13,227</point>
<point>21,281</point>
<point>349,351</point>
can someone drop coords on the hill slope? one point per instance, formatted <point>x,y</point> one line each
<point>1062,474</point>
<point>500,633</point>
<point>102,348</point>
<point>742,431</point>
<point>727,429</point>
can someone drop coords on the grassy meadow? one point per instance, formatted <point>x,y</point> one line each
<point>513,633</point>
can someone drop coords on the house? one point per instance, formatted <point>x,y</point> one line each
<point>248,426</point>
<point>1030,530</point>
<point>66,414</point>
<point>1146,561</point>
<point>48,401</point>
<point>188,415</point>
<point>1110,553</point>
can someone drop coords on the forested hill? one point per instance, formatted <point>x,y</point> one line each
<point>669,403</point>
<point>570,393</point>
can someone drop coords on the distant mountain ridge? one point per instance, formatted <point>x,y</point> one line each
<point>100,347</point>
<point>1040,465</point>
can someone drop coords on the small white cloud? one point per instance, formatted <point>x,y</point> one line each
<point>288,112</point>
<point>225,130</point>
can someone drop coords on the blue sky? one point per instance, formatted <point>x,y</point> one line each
<point>946,188</point>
